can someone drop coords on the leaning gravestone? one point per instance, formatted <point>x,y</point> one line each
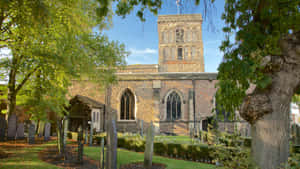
<point>12,127</point>
<point>2,128</point>
<point>20,131</point>
<point>31,133</point>
<point>91,135</point>
<point>149,147</point>
<point>112,141</point>
<point>47,131</point>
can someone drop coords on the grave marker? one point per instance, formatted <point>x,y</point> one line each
<point>20,131</point>
<point>12,127</point>
<point>2,128</point>
<point>31,133</point>
<point>47,131</point>
<point>149,147</point>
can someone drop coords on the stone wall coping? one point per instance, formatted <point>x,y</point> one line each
<point>168,76</point>
<point>180,18</point>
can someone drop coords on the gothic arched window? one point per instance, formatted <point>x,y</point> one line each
<point>127,106</point>
<point>173,106</point>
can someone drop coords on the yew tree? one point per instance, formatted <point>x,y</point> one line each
<point>264,53</point>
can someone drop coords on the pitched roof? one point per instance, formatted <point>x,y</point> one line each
<point>87,101</point>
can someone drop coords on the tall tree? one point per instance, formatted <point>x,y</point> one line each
<point>52,42</point>
<point>265,52</point>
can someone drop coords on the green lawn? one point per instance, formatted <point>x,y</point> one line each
<point>25,158</point>
<point>125,157</point>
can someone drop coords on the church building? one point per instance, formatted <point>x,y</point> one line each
<point>176,94</point>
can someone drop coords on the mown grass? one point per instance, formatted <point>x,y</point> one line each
<point>125,157</point>
<point>25,158</point>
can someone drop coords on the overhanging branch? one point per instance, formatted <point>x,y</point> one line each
<point>26,78</point>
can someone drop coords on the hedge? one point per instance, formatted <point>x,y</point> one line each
<point>202,153</point>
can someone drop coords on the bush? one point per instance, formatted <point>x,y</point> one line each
<point>247,141</point>
<point>72,135</point>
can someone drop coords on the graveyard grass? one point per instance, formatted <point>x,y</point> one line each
<point>27,158</point>
<point>125,157</point>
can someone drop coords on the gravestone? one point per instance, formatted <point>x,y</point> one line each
<point>2,128</point>
<point>41,129</point>
<point>91,135</point>
<point>80,145</point>
<point>12,127</point>
<point>101,162</point>
<point>142,127</point>
<point>47,131</point>
<point>20,131</point>
<point>111,150</point>
<point>149,147</point>
<point>31,133</point>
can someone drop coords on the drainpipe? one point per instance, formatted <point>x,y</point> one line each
<point>194,106</point>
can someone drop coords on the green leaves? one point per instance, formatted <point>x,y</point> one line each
<point>259,25</point>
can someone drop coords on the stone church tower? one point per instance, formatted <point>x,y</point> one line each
<point>180,43</point>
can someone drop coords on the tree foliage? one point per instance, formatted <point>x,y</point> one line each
<point>258,26</point>
<point>52,42</point>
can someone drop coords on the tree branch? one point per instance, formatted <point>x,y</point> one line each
<point>26,78</point>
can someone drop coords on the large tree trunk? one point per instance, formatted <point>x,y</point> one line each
<point>270,135</point>
<point>268,110</point>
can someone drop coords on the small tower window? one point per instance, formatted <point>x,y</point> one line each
<point>179,35</point>
<point>179,53</point>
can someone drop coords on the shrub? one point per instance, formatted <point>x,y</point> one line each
<point>72,135</point>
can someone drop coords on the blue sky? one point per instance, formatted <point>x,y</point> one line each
<point>141,38</point>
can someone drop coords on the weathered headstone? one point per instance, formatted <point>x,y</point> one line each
<point>80,145</point>
<point>41,129</point>
<point>101,162</point>
<point>12,127</point>
<point>2,128</point>
<point>142,127</point>
<point>20,131</point>
<point>111,150</point>
<point>47,131</point>
<point>149,147</point>
<point>31,133</point>
<point>91,135</point>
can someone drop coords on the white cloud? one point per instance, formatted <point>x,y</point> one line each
<point>143,51</point>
